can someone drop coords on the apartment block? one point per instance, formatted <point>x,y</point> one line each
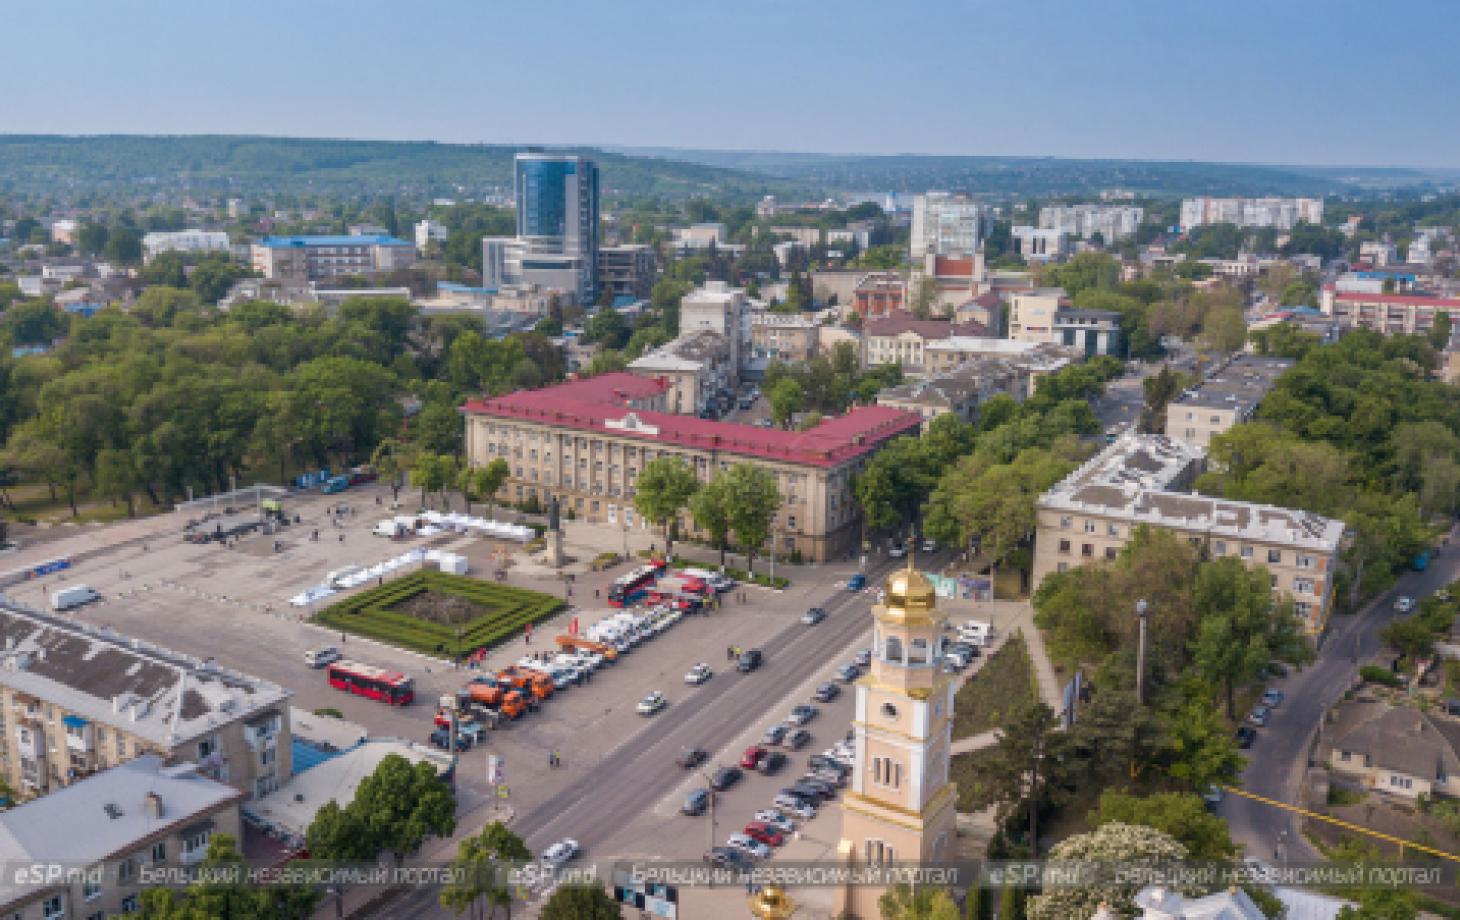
<point>301,259</point>
<point>1112,222</point>
<point>187,241</point>
<point>76,700</point>
<point>586,441</point>
<point>1228,396</point>
<point>1032,314</point>
<point>696,368</point>
<point>1280,213</point>
<point>429,231</point>
<point>716,307</point>
<point>1143,480</point>
<point>902,339</point>
<point>947,225</point>
<point>1091,332</point>
<point>944,355</point>
<point>961,391</point>
<point>105,831</point>
<point>627,271</point>
<point>1037,244</point>
<point>785,338</point>
<point>1387,313</point>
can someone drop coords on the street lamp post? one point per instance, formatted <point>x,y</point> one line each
<point>1141,608</point>
<point>710,789</point>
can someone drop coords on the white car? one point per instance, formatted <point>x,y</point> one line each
<point>803,810</point>
<point>320,657</point>
<point>744,843</point>
<point>897,550</point>
<point>776,819</point>
<point>698,674</point>
<point>1404,604</point>
<point>652,704</point>
<point>930,545</point>
<point>561,852</point>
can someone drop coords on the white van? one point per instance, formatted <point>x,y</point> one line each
<point>976,631</point>
<point>72,596</point>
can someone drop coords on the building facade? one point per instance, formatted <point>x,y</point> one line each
<point>160,241</point>
<point>1141,480</point>
<point>429,231</point>
<point>627,271</point>
<point>586,441</point>
<point>1279,213</point>
<point>789,339</point>
<point>696,367</point>
<point>946,225</point>
<point>900,807</point>
<point>1091,332</point>
<point>1228,396</point>
<point>1387,313</point>
<point>78,700</point>
<point>1112,222</point>
<point>302,259</point>
<point>960,391</point>
<point>879,294</point>
<point>716,307</point>
<point>1037,244</point>
<point>903,339</point>
<point>1032,314</point>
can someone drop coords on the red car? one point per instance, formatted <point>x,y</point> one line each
<point>752,756</point>
<point>764,833</point>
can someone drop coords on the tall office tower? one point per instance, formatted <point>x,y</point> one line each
<point>557,214</point>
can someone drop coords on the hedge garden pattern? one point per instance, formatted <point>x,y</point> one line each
<point>370,613</point>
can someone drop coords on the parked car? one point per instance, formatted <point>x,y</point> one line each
<point>695,802</point>
<point>440,738</point>
<point>320,657</point>
<point>724,778</point>
<point>813,616</point>
<point>827,762</point>
<point>1212,796</point>
<point>826,692</point>
<point>761,832</point>
<point>772,763</point>
<point>1405,604</point>
<point>848,673</point>
<point>729,858</point>
<point>796,805</point>
<point>798,739</point>
<point>1258,715</point>
<point>897,550</point>
<point>775,818</point>
<point>1245,736</point>
<point>561,852</point>
<point>811,790</point>
<point>774,735</point>
<point>698,674</point>
<point>857,582</point>
<point>1272,698</point>
<point>803,713</point>
<point>652,704</point>
<point>749,660</point>
<point>752,756</point>
<point>692,757</point>
<point>863,659</point>
<point>747,844</point>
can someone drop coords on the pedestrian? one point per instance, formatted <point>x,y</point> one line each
<point>595,593</point>
<point>342,638</point>
<point>342,538</point>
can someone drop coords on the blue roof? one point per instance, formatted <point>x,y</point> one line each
<point>307,755</point>
<point>463,288</point>
<point>282,242</point>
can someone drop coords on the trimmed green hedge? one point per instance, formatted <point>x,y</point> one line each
<point>368,613</point>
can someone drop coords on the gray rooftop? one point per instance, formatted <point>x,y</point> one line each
<point>1140,478</point>
<point>957,386</point>
<point>104,816</point>
<point>157,694</point>
<point>1239,384</point>
<point>1408,741</point>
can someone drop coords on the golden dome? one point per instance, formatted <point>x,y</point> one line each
<point>909,589</point>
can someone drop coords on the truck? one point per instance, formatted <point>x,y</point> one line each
<point>579,644</point>
<point>72,596</point>
<point>472,720</point>
<point>508,703</point>
<point>537,683</point>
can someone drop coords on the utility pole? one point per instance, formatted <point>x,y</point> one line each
<point>1141,608</point>
<point>710,789</point>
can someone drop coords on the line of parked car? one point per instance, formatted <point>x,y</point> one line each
<point>1257,718</point>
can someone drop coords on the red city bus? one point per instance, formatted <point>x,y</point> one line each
<point>371,682</point>
<point>629,589</point>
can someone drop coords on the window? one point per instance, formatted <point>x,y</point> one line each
<point>267,756</point>
<point>1111,530</point>
<point>1110,552</point>
<point>1087,549</point>
<point>207,748</point>
<point>51,908</point>
<point>892,651</point>
<point>1401,782</point>
<point>1246,552</point>
<point>1066,522</point>
<point>1303,585</point>
<point>125,870</point>
<point>129,904</point>
<point>1274,556</point>
<point>195,844</point>
<point>1062,567</point>
<point>1064,546</point>
<point>1345,756</point>
<point>1219,548</point>
<point>159,851</point>
<point>1089,527</point>
<point>90,890</point>
<point>1305,562</point>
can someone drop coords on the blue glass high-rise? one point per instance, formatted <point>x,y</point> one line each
<point>557,210</point>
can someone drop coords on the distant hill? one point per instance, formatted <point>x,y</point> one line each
<point>54,164</point>
<point>1018,177</point>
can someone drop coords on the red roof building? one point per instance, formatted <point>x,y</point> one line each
<point>1387,313</point>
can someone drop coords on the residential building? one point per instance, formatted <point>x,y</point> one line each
<point>1280,213</point>
<point>700,236</point>
<point>901,339</point>
<point>987,309</point>
<point>187,241</point>
<point>879,294</point>
<point>104,831</point>
<point>836,286</point>
<point>1228,396</point>
<point>1142,480</point>
<point>716,307</point>
<point>960,391</point>
<point>64,231</point>
<point>429,231</point>
<point>696,367</point>
<point>943,355</point>
<point>627,271</point>
<point>510,263</point>
<point>900,805</point>
<point>1403,752</point>
<point>300,259</point>
<point>1387,313</point>
<point>1031,314</point>
<point>806,236</point>
<point>77,699</point>
<point>1036,244</point>
<point>788,338</point>
<point>585,442</point>
<point>1378,253</point>
<point>1111,222</point>
<point>946,225</point>
<point>1092,332</point>
<point>557,241</point>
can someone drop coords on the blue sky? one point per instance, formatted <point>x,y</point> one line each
<point>1289,81</point>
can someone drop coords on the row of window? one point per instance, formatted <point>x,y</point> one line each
<point>1219,547</point>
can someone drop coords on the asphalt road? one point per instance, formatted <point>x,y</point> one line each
<point>1278,758</point>
<point>629,781</point>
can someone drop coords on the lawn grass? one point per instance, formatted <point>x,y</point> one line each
<point>375,613</point>
<point>1004,683</point>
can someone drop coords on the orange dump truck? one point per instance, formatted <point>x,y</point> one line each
<point>535,682</point>
<point>576,643</point>
<point>509,703</point>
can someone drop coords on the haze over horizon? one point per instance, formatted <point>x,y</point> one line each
<point>1300,83</point>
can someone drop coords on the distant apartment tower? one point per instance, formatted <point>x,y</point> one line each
<point>429,231</point>
<point>1112,222</point>
<point>160,241</point>
<point>302,259</point>
<point>627,271</point>
<point>1278,213</point>
<point>717,307</point>
<point>946,225</point>
<point>1038,244</point>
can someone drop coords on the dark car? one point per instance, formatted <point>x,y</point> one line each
<point>729,858</point>
<point>1245,736</point>
<point>775,734</point>
<point>798,739</point>
<point>848,673</point>
<point>857,582</point>
<point>803,713</point>
<point>695,802</point>
<point>749,660</point>
<point>964,648</point>
<point>439,739</point>
<point>823,762</point>
<point>802,794</point>
<point>813,616</point>
<point>772,763</point>
<point>724,778</point>
<point>823,788</point>
<point>815,794</point>
<point>826,692</point>
<point>692,757</point>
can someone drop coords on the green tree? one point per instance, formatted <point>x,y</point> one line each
<point>1024,770</point>
<point>1012,903</point>
<point>223,891</point>
<point>787,398</point>
<point>33,322</point>
<point>338,834</point>
<point>124,246</point>
<point>438,428</point>
<point>116,476</point>
<point>1109,843</point>
<point>433,473</point>
<point>478,861</point>
<point>490,479</point>
<point>710,509</point>
<point>976,904</point>
<point>400,804</point>
<point>664,488</point>
<point>581,902</point>
<point>1180,814</point>
<point>904,902</point>
<point>1241,629</point>
<point>1382,904</point>
<point>1410,638</point>
<point>752,500</point>
<point>390,459</point>
<point>1196,746</point>
<point>1440,331</point>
